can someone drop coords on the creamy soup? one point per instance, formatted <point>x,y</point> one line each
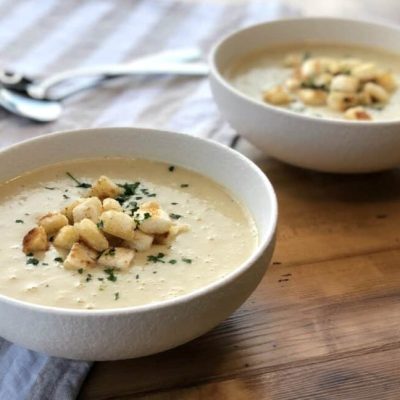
<point>220,236</point>
<point>268,77</point>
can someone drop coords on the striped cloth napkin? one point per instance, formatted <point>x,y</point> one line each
<point>38,38</point>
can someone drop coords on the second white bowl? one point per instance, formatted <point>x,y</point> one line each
<point>315,143</point>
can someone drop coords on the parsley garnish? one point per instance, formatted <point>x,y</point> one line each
<point>80,271</point>
<point>129,190</point>
<point>100,224</point>
<point>184,185</point>
<point>58,259</point>
<point>33,261</point>
<point>137,276</point>
<point>88,277</point>
<point>156,258</point>
<point>174,204</point>
<point>78,183</point>
<point>172,261</point>
<point>19,221</point>
<point>44,263</point>
<point>49,188</point>
<point>175,216</point>
<point>187,260</point>
<point>116,295</point>
<point>65,196</point>
<point>110,274</point>
<point>147,192</point>
<point>171,168</point>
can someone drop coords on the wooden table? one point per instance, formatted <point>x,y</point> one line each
<point>323,324</point>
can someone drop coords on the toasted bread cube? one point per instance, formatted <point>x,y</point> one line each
<point>67,211</point>
<point>104,187</point>
<point>339,101</point>
<point>277,96</point>
<point>80,257</point>
<point>376,92</point>
<point>117,257</point>
<point>91,235</point>
<point>345,83</point>
<point>111,204</point>
<point>35,240</point>
<point>365,72</point>
<point>387,81</point>
<point>66,237</point>
<point>357,113</point>
<point>141,242</point>
<point>91,209</point>
<point>312,97</point>
<point>171,235</point>
<point>118,224</point>
<point>152,219</point>
<point>53,222</point>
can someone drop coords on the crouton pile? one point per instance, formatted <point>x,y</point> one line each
<point>346,85</point>
<point>98,231</point>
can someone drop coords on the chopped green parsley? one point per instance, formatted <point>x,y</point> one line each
<point>32,260</point>
<point>110,274</point>
<point>116,295</point>
<point>175,216</point>
<point>171,168</point>
<point>187,260</point>
<point>78,183</point>
<point>184,185</point>
<point>58,259</point>
<point>156,258</point>
<point>19,221</point>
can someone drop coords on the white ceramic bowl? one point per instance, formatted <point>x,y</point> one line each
<point>309,142</point>
<point>139,331</point>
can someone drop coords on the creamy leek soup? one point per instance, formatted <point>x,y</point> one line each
<point>328,81</point>
<point>107,233</point>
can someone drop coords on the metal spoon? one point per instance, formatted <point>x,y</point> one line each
<point>33,101</point>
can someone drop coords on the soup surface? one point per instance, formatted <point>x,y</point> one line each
<point>220,236</point>
<point>263,71</point>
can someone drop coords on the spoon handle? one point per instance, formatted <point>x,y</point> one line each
<point>174,62</point>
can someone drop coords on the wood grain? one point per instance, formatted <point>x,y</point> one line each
<point>326,315</point>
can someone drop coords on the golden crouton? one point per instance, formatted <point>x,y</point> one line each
<point>104,187</point>
<point>357,113</point>
<point>80,257</point>
<point>277,96</point>
<point>173,232</point>
<point>35,240</point>
<point>53,222</point>
<point>91,209</point>
<point>312,97</point>
<point>90,234</point>
<point>67,211</point>
<point>141,241</point>
<point>118,224</point>
<point>111,204</point>
<point>152,219</point>
<point>66,237</point>
<point>117,257</point>
<point>387,81</point>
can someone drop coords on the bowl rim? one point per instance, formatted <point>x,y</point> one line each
<point>215,72</point>
<point>216,285</point>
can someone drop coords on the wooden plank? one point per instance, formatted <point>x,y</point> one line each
<point>367,377</point>
<point>299,315</point>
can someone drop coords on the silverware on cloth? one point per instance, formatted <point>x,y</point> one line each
<point>32,98</point>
